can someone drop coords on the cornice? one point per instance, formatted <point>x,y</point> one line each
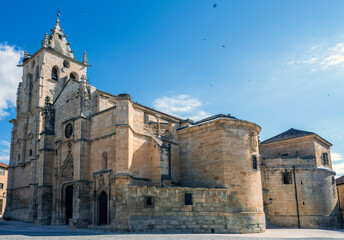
<point>296,140</point>
<point>156,112</point>
<point>55,52</point>
<point>228,122</point>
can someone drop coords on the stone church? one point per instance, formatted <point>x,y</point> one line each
<point>87,158</point>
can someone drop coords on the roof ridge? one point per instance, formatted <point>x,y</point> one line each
<point>289,134</point>
<point>215,117</point>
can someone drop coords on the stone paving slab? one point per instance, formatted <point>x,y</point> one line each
<point>14,230</point>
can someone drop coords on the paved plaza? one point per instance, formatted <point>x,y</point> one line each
<point>18,231</point>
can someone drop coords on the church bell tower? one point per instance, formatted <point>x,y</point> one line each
<point>46,74</point>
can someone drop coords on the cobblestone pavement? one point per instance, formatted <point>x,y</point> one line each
<point>18,231</point>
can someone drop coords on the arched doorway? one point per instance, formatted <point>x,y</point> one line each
<point>102,208</point>
<point>69,203</point>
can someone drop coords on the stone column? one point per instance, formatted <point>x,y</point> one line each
<point>81,187</point>
<point>124,135</point>
<point>45,174</point>
<point>158,125</point>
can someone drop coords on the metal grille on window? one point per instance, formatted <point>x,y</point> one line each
<point>287,177</point>
<point>325,158</point>
<point>254,162</point>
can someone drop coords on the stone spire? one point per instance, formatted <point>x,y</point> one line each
<point>57,40</point>
<point>45,41</point>
<point>85,58</point>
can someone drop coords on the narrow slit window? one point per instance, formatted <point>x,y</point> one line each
<point>187,199</point>
<point>149,202</point>
<point>325,158</point>
<point>37,72</point>
<point>254,162</point>
<point>287,177</point>
<point>54,74</point>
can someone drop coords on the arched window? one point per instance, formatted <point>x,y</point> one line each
<point>54,73</point>
<point>73,76</point>
<point>66,64</point>
<point>37,72</point>
<point>30,152</point>
<point>104,160</point>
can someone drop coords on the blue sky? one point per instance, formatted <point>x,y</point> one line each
<point>279,64</point>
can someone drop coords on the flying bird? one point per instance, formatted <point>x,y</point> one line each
<point>215,5</point>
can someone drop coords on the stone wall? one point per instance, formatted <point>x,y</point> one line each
<point>340,191</point>
<point>316,195</point>
<point>320,149</point>
<point>211,211</point>
<point>221,153</point>
<point>293,147</point>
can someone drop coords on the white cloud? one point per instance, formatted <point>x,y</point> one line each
<point>333,60</point>
<point>338,163</point>
<point>10,76</point>
<point>315,47</point>
<point>182,106</point>
<point>339,168</point>
<point>335,157</point>
<point>320,58</point>
<point>4,151</point>
<point>199,115</point>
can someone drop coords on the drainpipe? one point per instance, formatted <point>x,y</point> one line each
<point>297,201</point>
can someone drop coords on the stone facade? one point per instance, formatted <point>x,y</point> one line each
<point>3,186</point>
<point>340,192</point>
<point>87,158</point>
<point>298,181</point>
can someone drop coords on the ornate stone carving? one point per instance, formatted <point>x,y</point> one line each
<point>45,41</point>
<point>49,117</point>
<point>84,61</point>
<point>68,167</point>
<point>19,142</point>
<point>30,138</point>
<point>102,181</point>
